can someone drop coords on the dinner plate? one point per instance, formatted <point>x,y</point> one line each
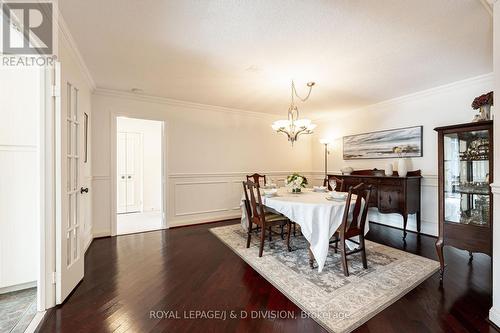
<point>334,199</point>
<point>320,189</point>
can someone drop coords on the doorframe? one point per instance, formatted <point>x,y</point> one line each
<point>113,165</point>
<point>49,111</point>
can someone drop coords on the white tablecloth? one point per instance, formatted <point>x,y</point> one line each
<point>318,217</point>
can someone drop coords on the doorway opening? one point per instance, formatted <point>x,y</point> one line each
<point>139,176</point>
<point>22,225</point>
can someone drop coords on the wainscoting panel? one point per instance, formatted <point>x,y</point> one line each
<point>197,198</point>
<point>201,197</point>
<point>206,197</point>
<point>101,206</point>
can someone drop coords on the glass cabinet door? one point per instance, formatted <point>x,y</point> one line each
<point>466,178</point>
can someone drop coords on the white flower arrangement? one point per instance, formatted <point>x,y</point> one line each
<point>296,182</point>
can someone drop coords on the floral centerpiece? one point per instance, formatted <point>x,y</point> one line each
<point>483,103</point>
<point>296,182</point>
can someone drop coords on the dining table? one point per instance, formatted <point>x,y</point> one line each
<point>317,213</point>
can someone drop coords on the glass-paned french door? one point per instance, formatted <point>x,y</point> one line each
<point>73,184</point>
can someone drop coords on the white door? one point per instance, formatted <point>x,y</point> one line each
<point>69,249</point>
<point>121,175</point>
<point>129,167</point>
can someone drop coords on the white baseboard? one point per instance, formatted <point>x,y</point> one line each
<point>203,220</point>
<point>17,287</point>
<point>89,241</point>
<point>98,234</point>
<point>495,316</point>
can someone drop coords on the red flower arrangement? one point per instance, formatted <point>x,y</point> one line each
<point>486,99</point>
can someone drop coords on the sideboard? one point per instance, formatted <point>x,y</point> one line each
<point>390,194</point>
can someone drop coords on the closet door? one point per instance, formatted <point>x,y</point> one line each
<point>129,175</point>
<point>121,181</point>
<point>134,166</point>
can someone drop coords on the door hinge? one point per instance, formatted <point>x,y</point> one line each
<point>55,91</point>
<point>54,277</point>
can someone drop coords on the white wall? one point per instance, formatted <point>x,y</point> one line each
<point>209,150</point>
<point>151,132</point>
<point>445,105</point>
<point>495,310</point>
<point>19,175</point>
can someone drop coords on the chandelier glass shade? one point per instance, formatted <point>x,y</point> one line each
<point>294,126</point>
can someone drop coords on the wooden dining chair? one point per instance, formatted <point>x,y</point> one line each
<point>257,215</point>
<point>353,225</point>
<point>258,179</point>
<point>331,178</point>
<point>261,180</point>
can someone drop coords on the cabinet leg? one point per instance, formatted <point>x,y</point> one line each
<point>405,222</point>
<point>471,256</point>
<point>439,250</point>
<point>418,222</point>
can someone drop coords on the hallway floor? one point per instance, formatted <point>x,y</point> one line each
<point>138,222</point>
<point>17,309</point>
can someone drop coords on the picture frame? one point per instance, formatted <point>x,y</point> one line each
<point>381,144</point>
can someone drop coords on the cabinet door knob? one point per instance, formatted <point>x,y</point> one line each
<point>84,190</point>
<point>129,177</point>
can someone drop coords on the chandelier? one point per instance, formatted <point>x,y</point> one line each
<point>294,126</point>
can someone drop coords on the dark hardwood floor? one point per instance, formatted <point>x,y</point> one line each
<point>187,269</point>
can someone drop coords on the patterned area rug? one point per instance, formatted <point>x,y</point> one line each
<point>336,302</point>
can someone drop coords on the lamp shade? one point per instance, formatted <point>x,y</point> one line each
<point>325,141</point>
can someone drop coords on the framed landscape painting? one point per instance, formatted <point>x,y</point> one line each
<point>382,144</point>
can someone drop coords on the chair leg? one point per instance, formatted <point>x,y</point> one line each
<point>294,229</point>
<point>288,236</point>
<point>344,257</point>
<point>311,258</point>
<point>282,234</point>
<point>262,238</point>
<point>336,244</point>
<point>363,251</point>
<point>270,234</point>
<point>249,236</point>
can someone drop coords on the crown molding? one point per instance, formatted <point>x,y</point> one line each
<point>416,95</point>
<point>179,103</point>
<point>75,52</point>
<point>488,5</point>
<point>191,105</point>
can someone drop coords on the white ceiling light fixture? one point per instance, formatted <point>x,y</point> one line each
<point>294,126</point>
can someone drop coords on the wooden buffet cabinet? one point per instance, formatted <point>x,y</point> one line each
<point>390,194</point>
<point>465,172</point>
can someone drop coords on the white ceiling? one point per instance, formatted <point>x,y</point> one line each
<point>243,53</point>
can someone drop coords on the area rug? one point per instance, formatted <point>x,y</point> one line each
<point>336,302</point>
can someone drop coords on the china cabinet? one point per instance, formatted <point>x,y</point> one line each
<point>465,171</point>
